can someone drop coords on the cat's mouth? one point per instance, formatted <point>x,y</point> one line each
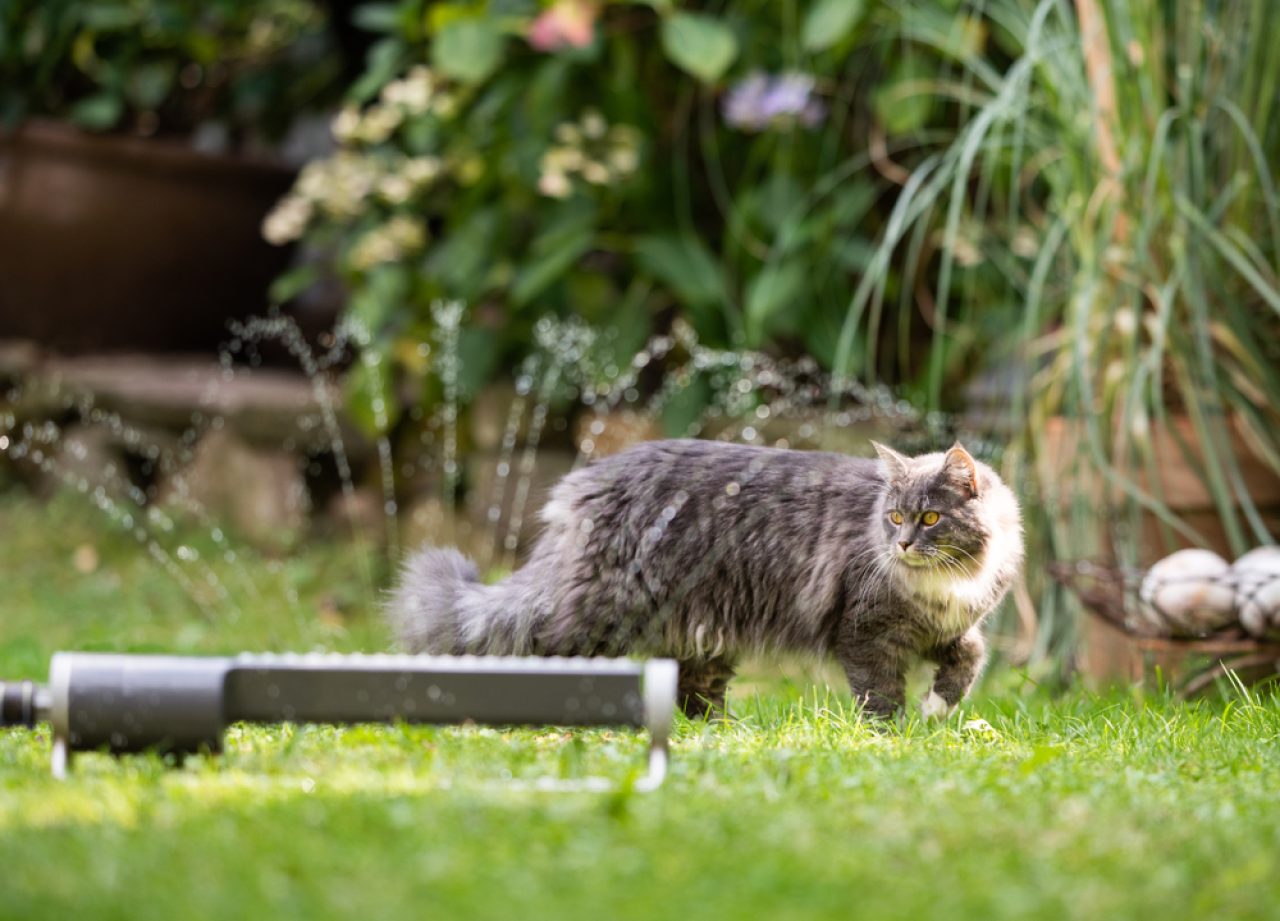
<point>936,560</point>
<point>915,560</point>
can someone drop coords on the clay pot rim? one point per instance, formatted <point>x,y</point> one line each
<point>149,155</point>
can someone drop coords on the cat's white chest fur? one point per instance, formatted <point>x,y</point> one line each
<point>956,603</point>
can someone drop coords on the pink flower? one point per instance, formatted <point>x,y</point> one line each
<point>565,24</point>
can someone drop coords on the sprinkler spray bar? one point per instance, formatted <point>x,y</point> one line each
<point>179,704</point>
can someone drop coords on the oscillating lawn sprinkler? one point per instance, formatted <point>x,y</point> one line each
<point>180,704</point>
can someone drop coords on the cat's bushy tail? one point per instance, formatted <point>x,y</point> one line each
<point>441,607</point>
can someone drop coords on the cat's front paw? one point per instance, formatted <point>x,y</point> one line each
<point>934,707</point>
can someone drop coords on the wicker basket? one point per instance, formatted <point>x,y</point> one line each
<point>1110,593</point>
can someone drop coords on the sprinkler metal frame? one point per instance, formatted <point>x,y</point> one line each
<point>183,704</point>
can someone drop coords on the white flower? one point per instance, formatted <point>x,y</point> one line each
<point>287,220</point>
<point>624,160</point>
<point>388,243</point>
<point>554,185</point>
<point>568,133</point>
<point>372,249</point>
<point>563,160</point>
<point>378,124</point>
<point>395,189</point>
<point>595,173</point>
<point>313,180</point>
<point>421,170</point>
<point>338,185</point>
<point>593,124</point>
<point>406,232</point>
<point>345,124</point>
<point>413,93</point>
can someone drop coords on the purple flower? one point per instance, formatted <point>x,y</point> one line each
<point>784,100</point>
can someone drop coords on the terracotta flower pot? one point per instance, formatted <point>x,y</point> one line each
<point>113,243</point>
<point>1180,481</point>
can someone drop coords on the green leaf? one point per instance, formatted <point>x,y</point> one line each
<point>108,17</point>
<point>148,84</point>
<point>699,45</point>
<point>478,354</point>
<point>967,38</point>
<point>683,411</point>
<point>829,21</point>
<point>686,266</point>
<point>554,252</point>
<point>464,253</point>
<point>901,103</point>
<point>775,202</point>
<point>382,294</point>
<point>853,254</point>
<point>849,205</point>
<point>468,50</point>
<point>98,113</point>
<point>367,383</point>
<point>377,17</point>
<point>822,332</point>
<point>774,290</point>
<point>383,62</point>
<point>292,283</point>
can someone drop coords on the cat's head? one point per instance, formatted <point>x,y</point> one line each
<point>944,511</point>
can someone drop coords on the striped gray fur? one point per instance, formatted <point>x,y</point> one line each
<point>706,551</point>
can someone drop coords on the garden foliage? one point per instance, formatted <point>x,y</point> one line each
<point>236,70</point>
<point>623,163</point>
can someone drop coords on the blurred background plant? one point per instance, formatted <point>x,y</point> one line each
<point>1104,222</point>
<point>233,70</point>
<point>1048,225</point>
<point>625,163</point>
<point>1073,202</point>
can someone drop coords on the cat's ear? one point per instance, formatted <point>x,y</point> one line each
<point>960,464</point>
<point>895,464</point>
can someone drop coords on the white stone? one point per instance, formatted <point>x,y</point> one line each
<point>1189,592</point>
<point>1257,590</point>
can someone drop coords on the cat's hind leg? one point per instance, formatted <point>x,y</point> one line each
<point>702,685</point>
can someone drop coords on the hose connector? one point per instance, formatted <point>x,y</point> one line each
<point>23,703</point>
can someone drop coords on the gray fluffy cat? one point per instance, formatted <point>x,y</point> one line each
<point>703,551</point>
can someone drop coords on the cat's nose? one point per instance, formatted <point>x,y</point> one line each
<point>904,544</point>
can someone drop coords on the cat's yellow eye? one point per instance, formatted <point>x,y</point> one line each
<point>929,519</point>
<point>895,517</point>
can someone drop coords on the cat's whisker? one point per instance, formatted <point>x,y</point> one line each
<point>975,560</point>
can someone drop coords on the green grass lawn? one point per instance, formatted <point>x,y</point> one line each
<point>1026,805</point>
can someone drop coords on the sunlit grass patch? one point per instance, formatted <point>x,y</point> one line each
<point>1026,804</point>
